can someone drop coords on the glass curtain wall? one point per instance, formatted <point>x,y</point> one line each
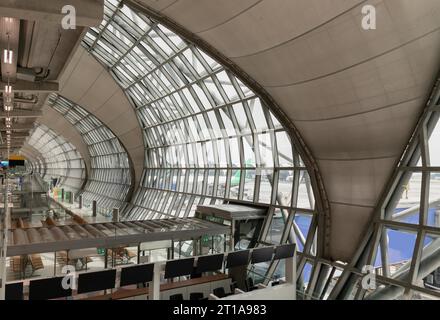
<point>109,179</point>
<point>60,158</point>
<point>208,137</point>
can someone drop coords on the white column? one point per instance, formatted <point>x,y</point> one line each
<point>154,289</point>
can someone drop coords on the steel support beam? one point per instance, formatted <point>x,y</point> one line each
<point>429,262</point>
<point>21,114</point>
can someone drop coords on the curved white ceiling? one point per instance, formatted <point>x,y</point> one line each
<point>354,95</point>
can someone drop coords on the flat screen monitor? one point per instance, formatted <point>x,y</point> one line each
<point>14,291</point>
<point>4,164</point>
<point>178,268</point>
<point>137,274</point>
<point>237,258</point>
<point>96,281</point>
<point>262,255</point>
<point>209,263</point>
<point>50,288</point>
<point>284,251</point>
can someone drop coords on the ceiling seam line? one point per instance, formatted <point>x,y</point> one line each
<point>230,19</point>
<point>361,113</point>
<point>351,204</point>
<point>353,65</point>
<point>301,35</point>
<point>357,159</point>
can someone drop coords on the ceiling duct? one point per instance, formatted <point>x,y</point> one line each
<point>26,74</point>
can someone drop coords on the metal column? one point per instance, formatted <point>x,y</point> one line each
<point>115,216</point>
<point>94,207</point>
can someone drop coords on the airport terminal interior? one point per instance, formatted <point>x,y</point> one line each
<point>220,150</point>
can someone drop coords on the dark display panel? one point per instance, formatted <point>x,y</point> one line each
<point>262,255</point>
<point>51,288</point>
<point>14,291</point>
<point>209,263</point>
<point>237,259</point>
<point>177,268</point>
<point>284,251</point>
<point>96,281</point>
<point>137,274</point>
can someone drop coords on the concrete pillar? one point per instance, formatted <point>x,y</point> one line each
<point>94,208</point>
<point>115,215</point>
<point>71,197</point>
<point>80,201</point>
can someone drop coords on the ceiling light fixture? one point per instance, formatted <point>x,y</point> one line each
<point>7,56</point>
<point>8,89</point>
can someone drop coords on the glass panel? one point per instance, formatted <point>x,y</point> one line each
<point>302,228</point>
<point>276,227</point>
<point>434,201</point>
<point>408,207</point>
<point>399,249</point>
<point>434,147</point>
<point>306,199</point>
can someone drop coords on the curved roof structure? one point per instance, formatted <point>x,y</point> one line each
<point>57,158</point>
<point>288,105</point>
<point>354,96</point>
<point>109,179</point>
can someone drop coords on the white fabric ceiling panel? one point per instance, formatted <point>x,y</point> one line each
<point>224,10</point>
<point>259,30</point>
<point>345,234</point>
<point>371,135</point>
<point>361,179</point>
<point>102,93</point>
